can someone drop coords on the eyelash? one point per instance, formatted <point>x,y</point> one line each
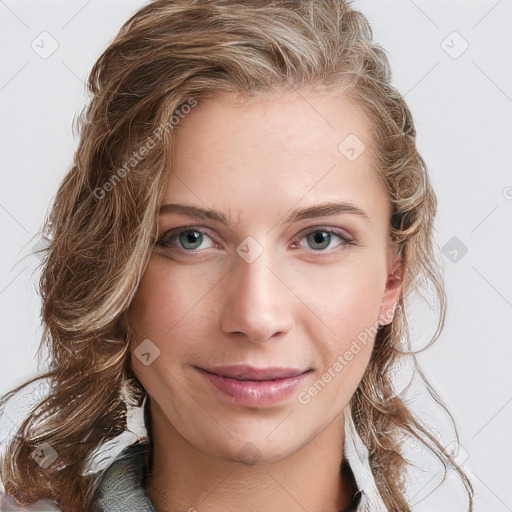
<point>167,238</point>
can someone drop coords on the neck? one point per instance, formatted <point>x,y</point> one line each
<point>182,477</point>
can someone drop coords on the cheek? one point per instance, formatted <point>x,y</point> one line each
<point>172,308</point>
<point>167,297</point>
<point>345,297</point>
<point>358,302</point>
<point>164,304</point>
<point>349,310</point>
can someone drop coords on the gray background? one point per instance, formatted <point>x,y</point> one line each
<point>461,100</point>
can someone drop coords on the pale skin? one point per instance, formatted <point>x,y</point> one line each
<point>300,303</point>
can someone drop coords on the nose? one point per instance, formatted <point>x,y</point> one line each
<point>258,303</point>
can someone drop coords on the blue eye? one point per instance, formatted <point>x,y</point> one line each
<point>189,239</point>
<point>319,239</point>
<point>323,240</point>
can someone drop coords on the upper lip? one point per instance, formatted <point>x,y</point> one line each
<point>245,372</point>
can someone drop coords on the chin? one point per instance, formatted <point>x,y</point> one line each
<point>247,450</point>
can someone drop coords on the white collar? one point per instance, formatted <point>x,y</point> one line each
<point>356,454</point>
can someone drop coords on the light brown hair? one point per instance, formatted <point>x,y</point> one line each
<point>168,55</point>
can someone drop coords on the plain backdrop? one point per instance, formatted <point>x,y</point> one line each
<point>451,60</point>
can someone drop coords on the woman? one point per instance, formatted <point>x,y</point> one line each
<point>233,250</point>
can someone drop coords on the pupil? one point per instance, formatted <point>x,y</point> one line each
<point>191,237</point>
<point>321,236</point>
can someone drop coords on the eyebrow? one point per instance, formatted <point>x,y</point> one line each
<point>310,212</point>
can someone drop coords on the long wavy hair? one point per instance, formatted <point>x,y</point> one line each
<point>102,226</point>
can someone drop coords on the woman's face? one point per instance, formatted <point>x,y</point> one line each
<point>274,284</point>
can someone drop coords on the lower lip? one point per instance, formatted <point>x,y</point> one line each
<point>250,393</point>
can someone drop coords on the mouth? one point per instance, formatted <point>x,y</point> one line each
<point>253,387</point>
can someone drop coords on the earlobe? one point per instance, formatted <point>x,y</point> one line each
<point>392,294</point>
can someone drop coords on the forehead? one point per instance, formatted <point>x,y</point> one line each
<point>285,116</point>
<point>298,144</point>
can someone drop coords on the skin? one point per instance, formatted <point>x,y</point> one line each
<point>295,305</point>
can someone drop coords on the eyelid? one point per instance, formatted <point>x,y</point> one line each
<point>343,233</point>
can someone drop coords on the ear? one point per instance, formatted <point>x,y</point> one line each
<point>392,292</point>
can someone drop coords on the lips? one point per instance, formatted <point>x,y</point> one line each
<point>245,372</point>
<point>254,387</point>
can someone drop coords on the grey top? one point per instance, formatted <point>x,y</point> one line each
<point>121,488</point>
